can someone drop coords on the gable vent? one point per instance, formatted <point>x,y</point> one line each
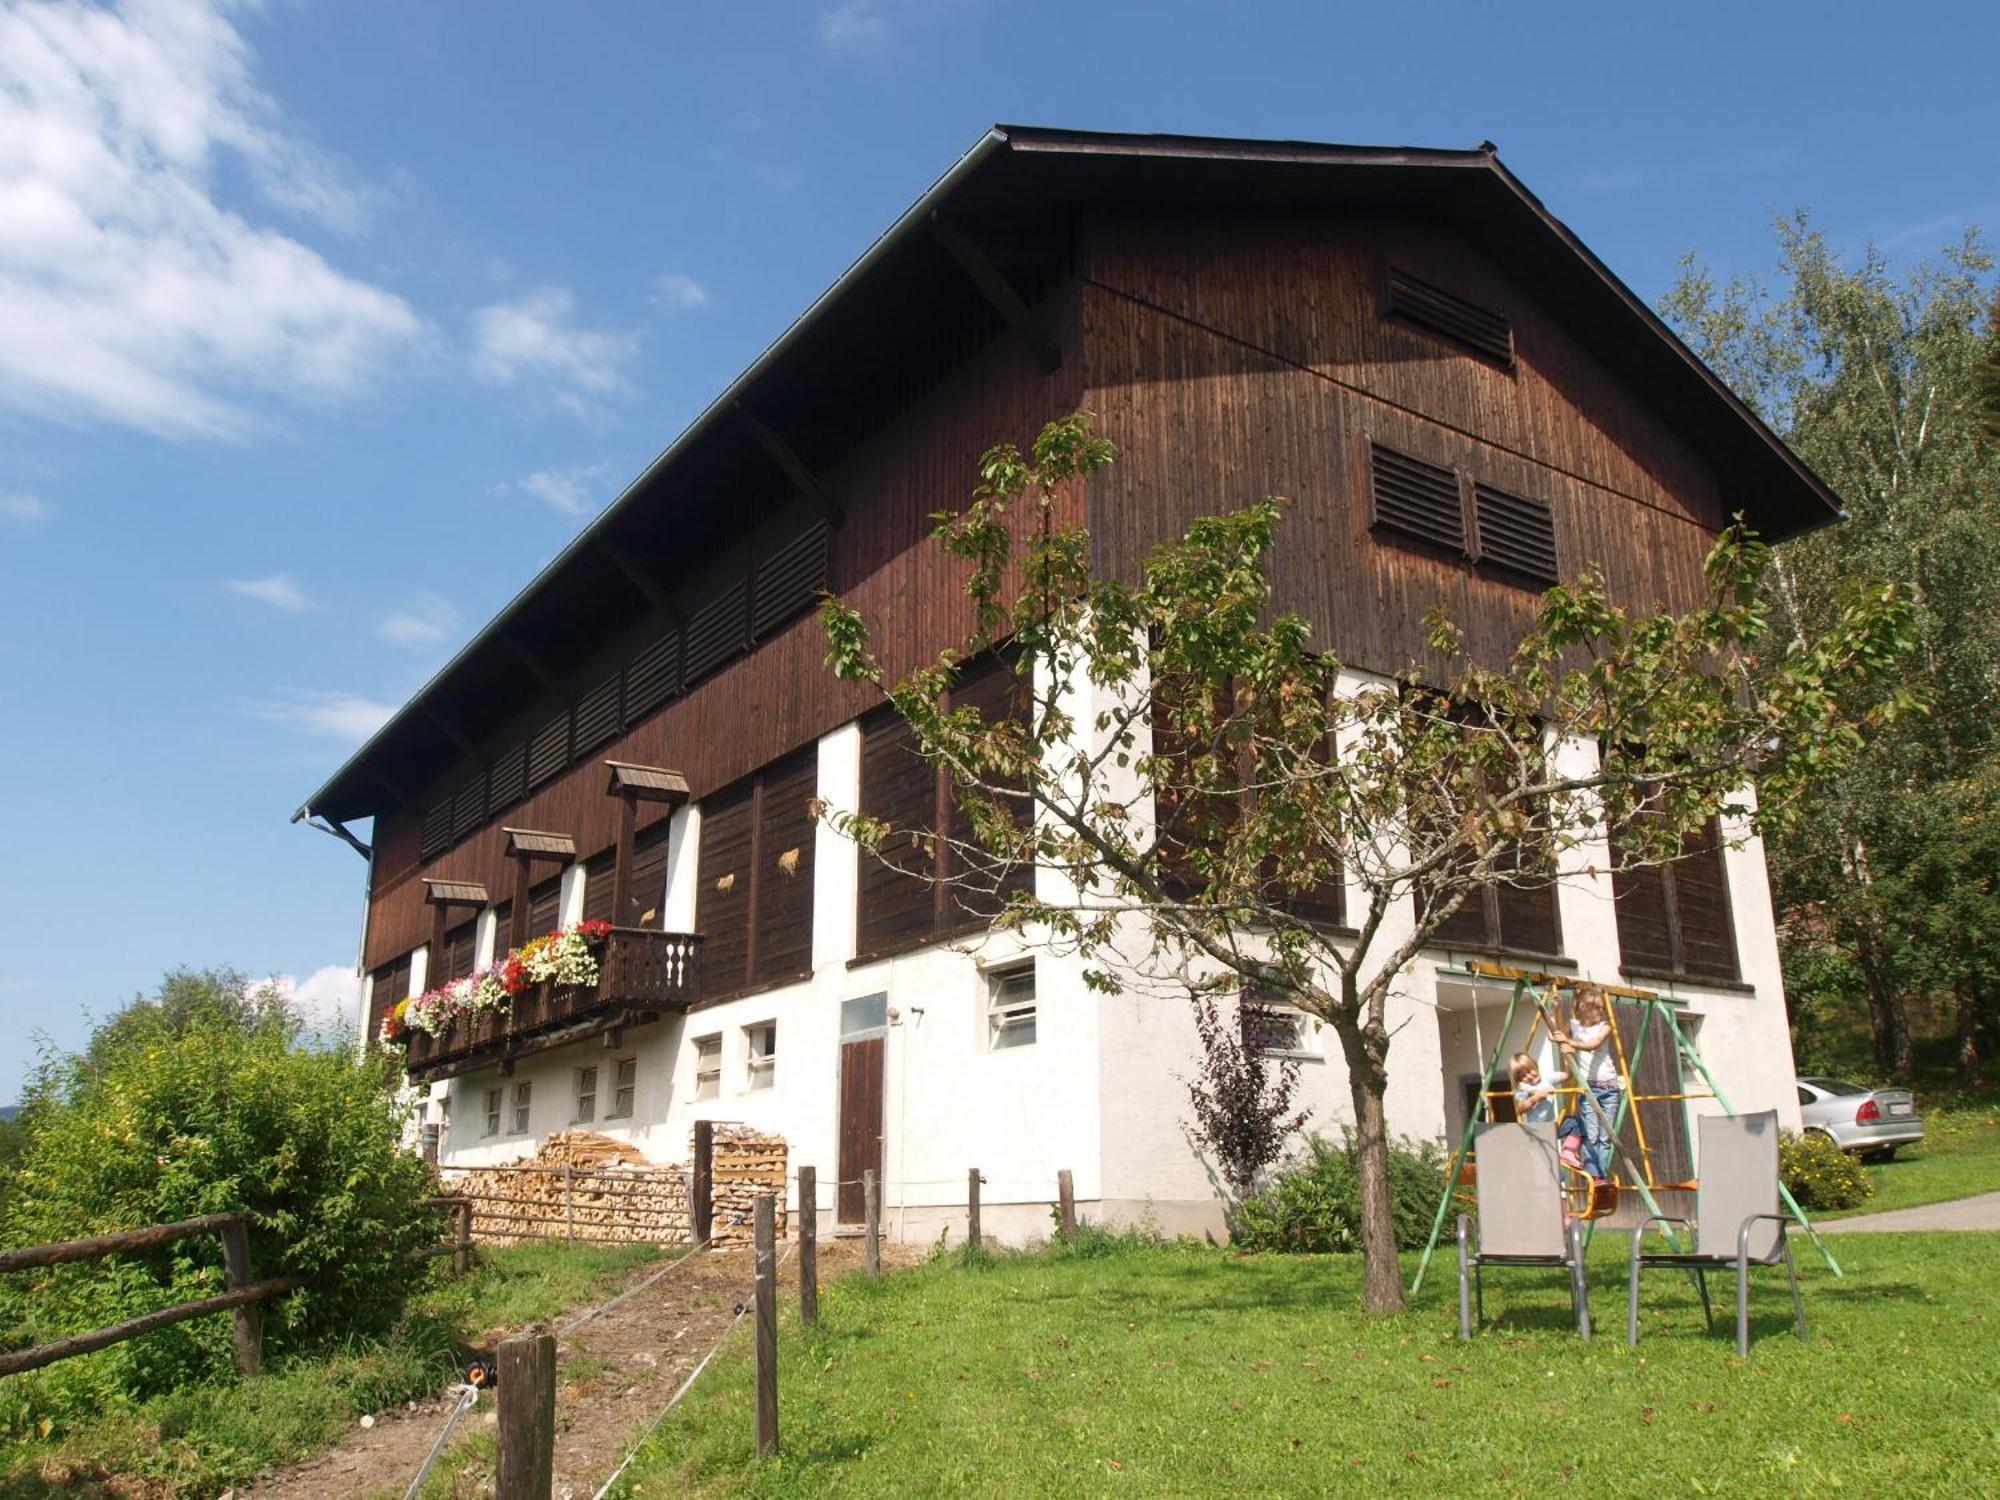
<point>1417,499</point>
<point>1473,328</point>
<point>1515,533</point>
<point>437,829</point>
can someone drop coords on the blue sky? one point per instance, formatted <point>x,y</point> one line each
<point>322,326</point>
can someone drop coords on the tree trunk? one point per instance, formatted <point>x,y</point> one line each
<point>1888,1025</point>
<point>1967,1005</point>
<point>1367,1080</point>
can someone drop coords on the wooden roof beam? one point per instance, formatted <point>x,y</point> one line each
<point>535,668</point>
<point>999,291</point>
<point>648,587</point>
<point>450,731</point>
<point>780,453</point>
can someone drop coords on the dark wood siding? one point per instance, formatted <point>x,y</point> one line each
<point>979,892</point>
<point>722,899</point>
<point>1674,918</point>
<point>459,950</point>
<point>897,900</point>
<point>600,886</point>
<point>647,901</point>
<point>545,906</point>
<point>392,983</point>
<point>784,886</point>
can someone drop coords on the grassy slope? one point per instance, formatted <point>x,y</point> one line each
<point>1960,1156</point>
<point>1187,1371</point>
<point>197,1441</point>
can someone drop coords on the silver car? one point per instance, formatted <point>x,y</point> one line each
<point>1873,1122</point>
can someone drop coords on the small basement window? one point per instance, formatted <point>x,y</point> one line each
<point>1274,1030</point>
<point>586,1096</point>
<point>1010,1007</point>
<point>763,1055</point>
<point>495,1100</point>
<point>707,1066</point>
<point>523,1091</point>
<point>625,1088</point>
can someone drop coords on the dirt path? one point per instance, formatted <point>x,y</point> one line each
<point>613,1374</point>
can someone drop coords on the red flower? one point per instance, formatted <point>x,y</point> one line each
<point>594,932</point>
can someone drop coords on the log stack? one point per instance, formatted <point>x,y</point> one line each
<point>747,1164</point>
<point>580,1185</point>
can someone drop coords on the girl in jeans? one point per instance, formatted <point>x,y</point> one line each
<point>1589,1045</point>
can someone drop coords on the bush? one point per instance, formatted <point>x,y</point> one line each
<point>209,1104</point>
<point>1314,1207</point>
<point>1820,1175</point>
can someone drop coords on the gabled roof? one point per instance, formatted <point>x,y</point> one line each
<point>877,311</point>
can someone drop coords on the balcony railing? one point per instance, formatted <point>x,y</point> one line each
<point>641,973</point>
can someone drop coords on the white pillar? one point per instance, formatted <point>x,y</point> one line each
<point>569,900</point>
<point>683,859</point>
<point>836,858</point>
<point>1585,904</point>
<point>420,970</point>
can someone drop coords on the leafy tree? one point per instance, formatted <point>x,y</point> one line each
<point>1876,381</point>
<point>1242,1098</point>
<point>1183,690</point>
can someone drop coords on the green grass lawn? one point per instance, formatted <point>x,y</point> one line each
<point>1960,1156</point>
<point>198,1440</point>
<point>1190,1371</point>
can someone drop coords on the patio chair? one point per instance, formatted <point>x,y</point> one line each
<point>1736,1220</point>
<point>1520,1217</point>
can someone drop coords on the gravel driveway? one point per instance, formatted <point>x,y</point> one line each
<point>1982,1212</point>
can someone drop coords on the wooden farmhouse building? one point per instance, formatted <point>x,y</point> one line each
<point>1461,401</point>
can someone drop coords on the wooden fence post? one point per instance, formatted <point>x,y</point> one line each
<point>461,1257</point>
<point>703,1187</point>
<point>871,1235</point>
<point>972,1208</point>
<point>766,1250</point>
<point>249,1318</point>
<point>1066,1201</point>
<point>808,1244</point>
<point>526,1388</point>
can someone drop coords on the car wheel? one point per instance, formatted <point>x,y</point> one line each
<point>1825,1135</point>
<point>1886,1153</point>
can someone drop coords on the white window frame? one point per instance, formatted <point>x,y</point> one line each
<point>624,1089</point>
<point>708,1079</point>
<point>760,1056</point>
<point>496,1110</point>
<point>1011,1021</point>
<point>586,1095</point>
<point>523,1106</point>
<point>1306,1030</point>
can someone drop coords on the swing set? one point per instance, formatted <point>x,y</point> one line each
<point>1587,1200</point>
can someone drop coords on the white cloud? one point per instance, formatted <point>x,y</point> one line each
<point>24,508</point>
<point>279,590</point>
<point>342,716</point>
<point>679,293</point>
<point>326,1000</point>
<point>855,27</point>
<point>128,293</point>
<point>577,491</point>
<point>427,620</point>
<point>535,339</point>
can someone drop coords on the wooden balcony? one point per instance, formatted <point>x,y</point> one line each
<point>643,974</point>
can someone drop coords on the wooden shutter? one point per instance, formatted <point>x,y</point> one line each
<point>545,906</point>
<point>437,828</point>
<point>991,686</point>
<point>1526,918</point>
<point>1197,795</point>
<point>1515,533</point>
<point>1417,499</point>
<point>508,781</point>
<point>468,807</point>
<point>1639,892</point>
<point>1476,329</point>
<point>1471,926</point>
<point>596,716</point>
<point>718,632</point>
<point>647,901</point>
<point>653,676</point>
<point>459,951</point>
<point>784,851</point>
<point>548,749</point>
<point>600,873</point>
<point>392,984</point>
<point>722,898</point>
<point>1701,907</point>
<point>897,902</point>
<point>503,929</point>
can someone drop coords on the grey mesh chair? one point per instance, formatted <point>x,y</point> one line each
<point>1736,1220</point>
<point>1519,1188</point>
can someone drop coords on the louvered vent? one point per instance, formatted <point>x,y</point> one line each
<point>1515,533</point>
<point>437,828</point>
<point>1417,499</point>
<point>548,751</point>
<point>788,581</point>
<point>508,780</point>
<point>1476,329</point>
<point>597,715</point>
<point>469,807</point>
<point>716,633</point>
<point>653,676</point>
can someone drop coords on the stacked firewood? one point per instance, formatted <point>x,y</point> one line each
<point>580,1185</point>
<point>746,1165</point>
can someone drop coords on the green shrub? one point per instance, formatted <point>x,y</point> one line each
<point>1314,1207</point>
<point>214,1104</point>
<point>1820,1174</point>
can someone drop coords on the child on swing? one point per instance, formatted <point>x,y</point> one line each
<point>1588,1046</point>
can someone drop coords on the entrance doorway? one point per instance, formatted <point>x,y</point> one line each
<point>864,1034</point>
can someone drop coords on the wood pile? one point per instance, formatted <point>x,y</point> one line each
<point>579,1185</point>
<point>746,1165</point>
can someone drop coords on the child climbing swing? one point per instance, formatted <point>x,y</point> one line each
<point>1588,1045</point>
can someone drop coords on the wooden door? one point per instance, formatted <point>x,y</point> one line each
<point>860,1122</point>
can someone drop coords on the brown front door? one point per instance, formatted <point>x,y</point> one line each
<point>860,1122</point>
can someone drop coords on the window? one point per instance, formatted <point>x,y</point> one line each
<point>1276,1030</point>
<point>762,1062</point>
<point>707,1066</point>
<point>495,1100</point>
<point>1674,918</point>
<point>1505,918</point>
<point>586,1096</point>
<point>1010,1007</point>
<point>863,1014</point>
<point>625,1088</point>
<point>522,1093</point>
